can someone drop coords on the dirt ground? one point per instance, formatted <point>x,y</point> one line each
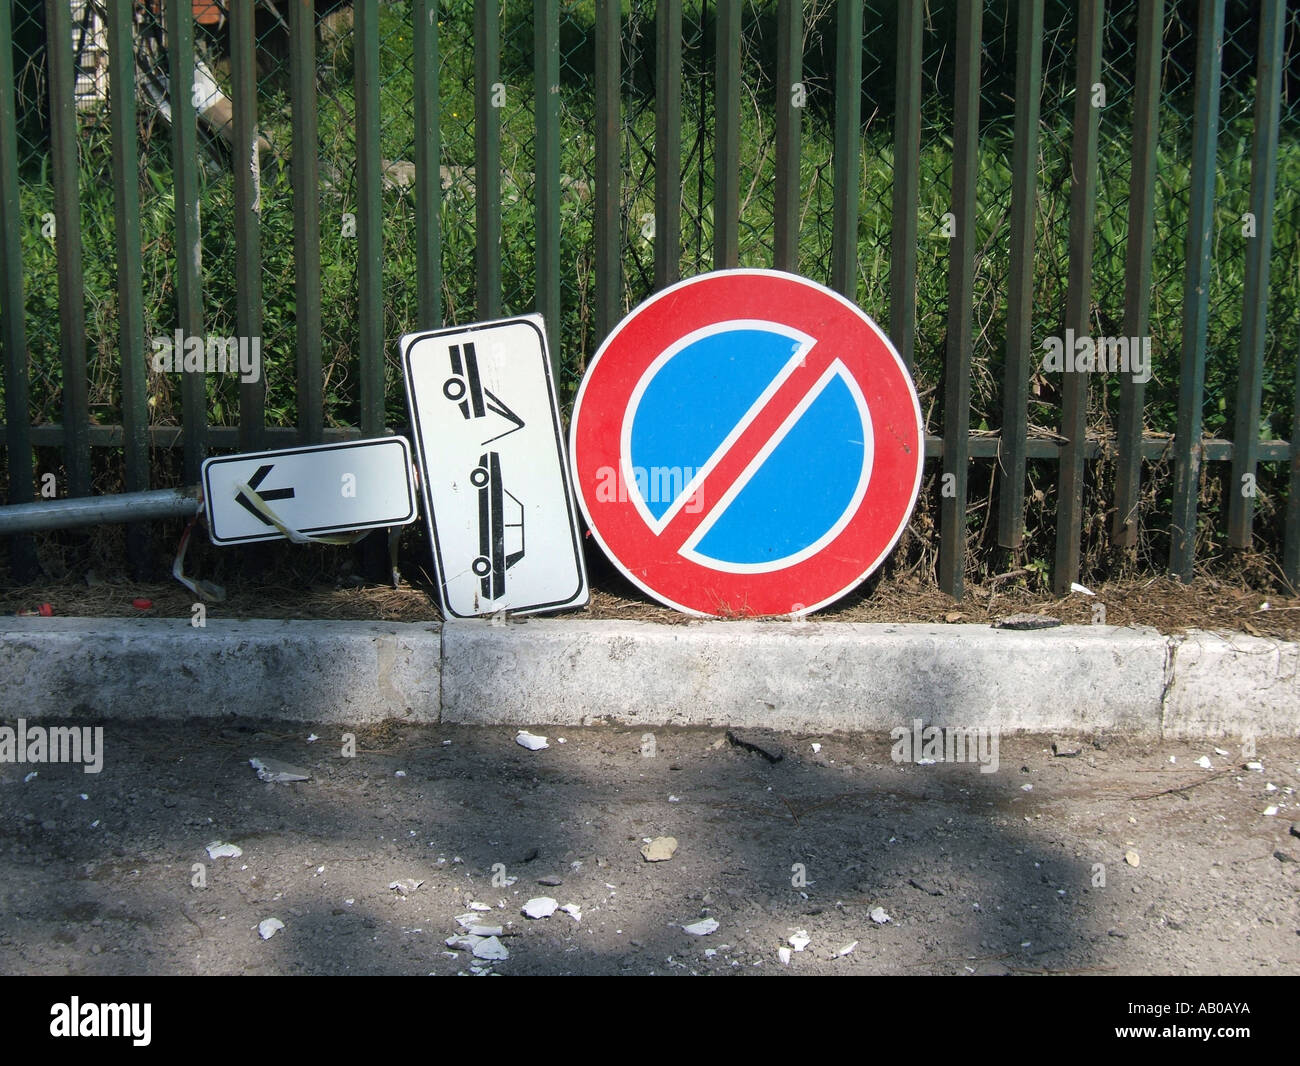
<point>1127,858</point>
<point>1162,603</point>
<point>82,574</point>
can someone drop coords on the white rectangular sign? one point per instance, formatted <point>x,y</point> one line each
<point>502,521</point>
<point>315,490</point>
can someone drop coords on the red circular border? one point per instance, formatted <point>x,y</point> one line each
<point>771,296</point>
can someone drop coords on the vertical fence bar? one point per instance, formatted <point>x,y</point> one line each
<point>189,247</point>
<point>1263,179</point>
<point>1196,289</point>
<point>13,331</point>
<point>1020,288</point>
<point>907,182</point>
<point>848,147</point>
<point>726,159</point>
<point>305,174</point>
<point>668,142</point>
<point>428,169</point>
<point>1078,298</point>
<point>67,243</point>
<point>130,296</point>
<point>370,220</point>
<point>609,243</point>
<point>1291,541</point>
<point>790,98</point>
<point>961,290</point>
<point>488,90</point>
<point>248,207</point>
<point>546,83</point>
<point>1137,266</point>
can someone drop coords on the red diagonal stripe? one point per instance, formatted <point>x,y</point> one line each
<point>769,419</point>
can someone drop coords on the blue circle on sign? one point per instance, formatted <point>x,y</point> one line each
<point>802,487</point>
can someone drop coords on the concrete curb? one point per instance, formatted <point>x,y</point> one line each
<point>347,672</point>
<point>1232,685</point>
<point>809,677</point>
<point>802,678</point>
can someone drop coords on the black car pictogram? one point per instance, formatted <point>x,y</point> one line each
<point>500,527</point>
<point>465,389</point>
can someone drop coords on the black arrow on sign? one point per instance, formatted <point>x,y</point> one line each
<point>254,483</point>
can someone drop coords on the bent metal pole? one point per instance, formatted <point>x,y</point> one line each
<point>96,510</point>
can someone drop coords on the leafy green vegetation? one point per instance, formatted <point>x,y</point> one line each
<point>576,329</point>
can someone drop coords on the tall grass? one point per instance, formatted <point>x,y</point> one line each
<point>576,329</point>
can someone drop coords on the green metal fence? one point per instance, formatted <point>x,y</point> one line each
<point>980,177</point>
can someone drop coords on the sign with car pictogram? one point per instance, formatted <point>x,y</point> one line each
<point>495,477</point>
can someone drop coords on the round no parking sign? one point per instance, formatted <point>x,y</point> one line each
<point>747,442</point>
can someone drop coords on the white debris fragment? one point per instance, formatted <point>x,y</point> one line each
<point>84,796</point>
<point>674,799</point>
<point>816,748</point>
<point>491,948</point>
<point>218,850</point>
<point>561,740</point>
<point>1173,758</point>
<point>312,739</point>
<point>34,773</point>
<point>925,762</point>
<point>268,927</point>
<point>527,740</point>
<point>1026,788</point>
<point>405,886</point>
<point>1204,763</point>
<point>475,905</point>
<point>573,911</point>
<point>800,940</point>
<point>1076,587</point>
<point>846,949</point>
<point>1220,751</point>
<point>399,773</point>
<point>1270,811</point>
<point>540,907</point>
<point>784,955</point>
<point>703,927</point>
<point>463,941</point>
<point>1258,767</point>
<point>1270,787</point>
<point>274,770</point>
<point>485,930</point>
<point>879,916</point>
